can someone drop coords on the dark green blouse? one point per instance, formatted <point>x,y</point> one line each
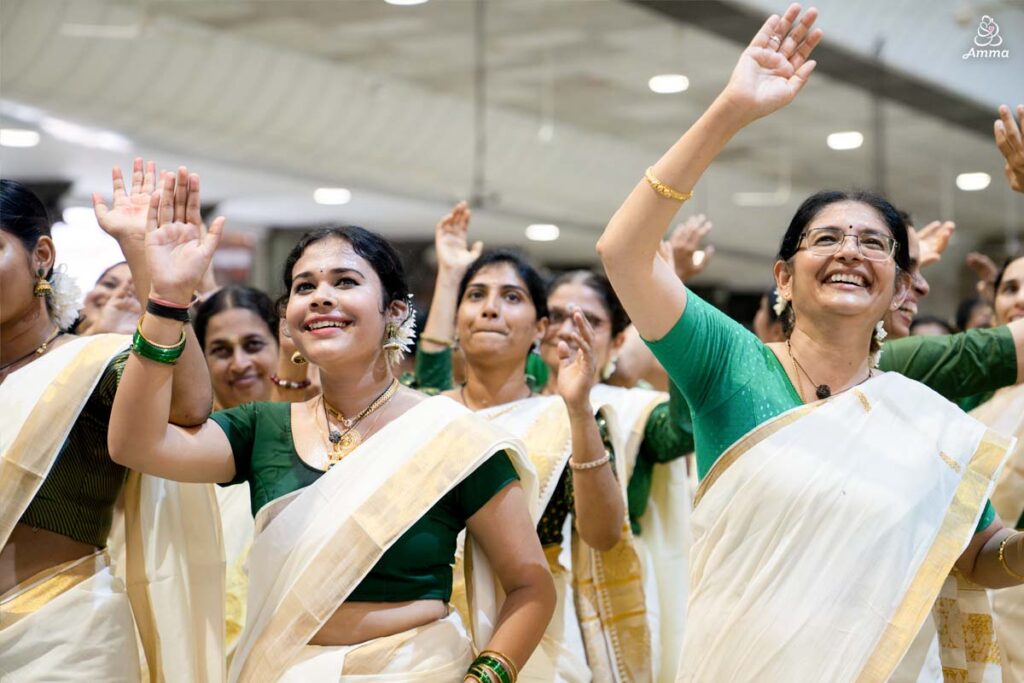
<point>77,497</point>
<point>735,383</point>
<point>418,566</point>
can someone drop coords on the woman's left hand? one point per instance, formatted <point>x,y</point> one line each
<point>577,373</point>
<point>775,66</point>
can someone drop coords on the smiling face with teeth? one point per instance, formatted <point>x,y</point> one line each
<point>844,284</point>
<point>334,313</point>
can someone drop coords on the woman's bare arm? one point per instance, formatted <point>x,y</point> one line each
<point>507,536</point>
<point>769,74</point>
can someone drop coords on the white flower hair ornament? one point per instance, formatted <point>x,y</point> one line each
<point>780,303</point>
<point>398,339</point>
<point>62,299</point>
<point>880,335</point>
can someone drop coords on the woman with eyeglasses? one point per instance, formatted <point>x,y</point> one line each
<point>836,500</point>
<point>495,304</point>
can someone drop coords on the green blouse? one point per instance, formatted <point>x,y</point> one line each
<point>731,380</point>
<point>77,497</point>
<point>418,566</point>
<point>668,435</point>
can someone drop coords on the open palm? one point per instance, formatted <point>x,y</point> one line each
<point>577,372</point>
<point>451,240</point>
<point>125,218</point>
<point>775,66</point>
<point>178,250</point>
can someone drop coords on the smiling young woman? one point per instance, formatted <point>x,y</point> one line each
<point>360,492</point>
<point>824,529</point>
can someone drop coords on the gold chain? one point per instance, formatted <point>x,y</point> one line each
<point>341,444</point>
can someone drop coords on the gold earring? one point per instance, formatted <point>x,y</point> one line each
<point>43,287</point>
<point>298,358</point>
<point>391,336</point>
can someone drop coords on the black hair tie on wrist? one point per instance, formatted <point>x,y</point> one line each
<point>179,314</point>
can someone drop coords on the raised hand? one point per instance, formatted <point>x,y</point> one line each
<point>688,259</point>
<point>451,241</point>
<point>934,239</point>
<point>986,270</point>
<point>1010,142</point>
<point>577,371</point>
<point>178,251</point>
<point>125,218</point>
<point>775,66</point>
<point>120,314</point>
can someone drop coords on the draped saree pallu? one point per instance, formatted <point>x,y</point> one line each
<point>77,621</point>
<point>314,546</point>
<point>823,538</point>
<point>1004,412</point>
<point>665,539</point>
<point>599,630</point>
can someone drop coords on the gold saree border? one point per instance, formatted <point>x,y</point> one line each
<point>27,461</point>
<point>959,522</point>
<point>358,543</point>
<point>549,447</point>
<point>37,591</point>
<point>752,439</point>
<point>1008,495</point>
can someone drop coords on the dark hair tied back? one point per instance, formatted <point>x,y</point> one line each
<point>371,246</point>
<point>23,214</point>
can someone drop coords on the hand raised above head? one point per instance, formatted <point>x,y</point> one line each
<point>1010,141</point>
<point>934,239</point>
<point>451,239</point>
<point>775,66</point>
<point>125,218</point>
<point>178,250</point>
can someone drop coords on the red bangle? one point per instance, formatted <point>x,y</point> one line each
<point>289,383</point>
<point>170,304</point>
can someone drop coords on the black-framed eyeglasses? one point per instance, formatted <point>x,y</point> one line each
<point>874,246</point>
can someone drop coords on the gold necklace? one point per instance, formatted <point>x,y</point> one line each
<point>340,444</point>
<point>38,351</point>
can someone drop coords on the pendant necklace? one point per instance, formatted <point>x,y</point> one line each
<point>38,351</point>
<point>343,443</point>
<point>822,391</point>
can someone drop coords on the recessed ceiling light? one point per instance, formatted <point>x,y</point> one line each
<point>18,137</point>
<point>405,2</point>
<point>542,232</point>
<point>850,139</point>
<point>332,195</point>
<point>971,182</point>
<point>666,84</point>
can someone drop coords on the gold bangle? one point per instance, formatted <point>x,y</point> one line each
<point>504,659</point>
<point>663,189</point>
<point>593,464</point>
<point>1002,558</point>
<point>440,342</point>
<point>162,347</point>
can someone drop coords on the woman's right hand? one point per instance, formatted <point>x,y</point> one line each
<point>125,218</point>
<point>451,241</point>
<point>178,253</point>
<point>774,67</point>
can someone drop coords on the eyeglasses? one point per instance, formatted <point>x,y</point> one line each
<point>873,246</point>
<point>558,316</point>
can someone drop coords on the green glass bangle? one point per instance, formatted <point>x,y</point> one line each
<point>496,666</point>
<point>168,355</point>
<point>481,673</point>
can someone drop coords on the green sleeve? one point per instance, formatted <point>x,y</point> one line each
<point>668,435</point>
<point>958,365</point>
<point>988,515</point>
<point>473,492</point>
<point>239,425</point>
<point>707,354</point>
<point>434,369</point>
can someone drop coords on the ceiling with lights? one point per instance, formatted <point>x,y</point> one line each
<point>543,112</point>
